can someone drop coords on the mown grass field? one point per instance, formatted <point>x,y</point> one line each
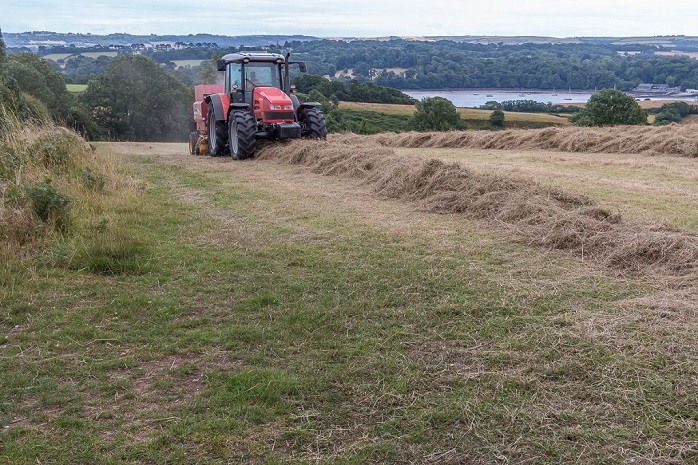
<point>272,314</point>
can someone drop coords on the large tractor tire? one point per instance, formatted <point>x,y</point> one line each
<point>241,135</point>
<point>217,135</point>
<point>314,124</point>
<point>194,142</point>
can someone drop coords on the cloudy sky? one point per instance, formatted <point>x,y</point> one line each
<point>358,18</point>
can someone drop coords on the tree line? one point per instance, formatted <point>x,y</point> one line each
<point>405,64</point>
<point>449,64</point>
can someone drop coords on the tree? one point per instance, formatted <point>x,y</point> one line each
<point>29,88</point>
<point>35,76</point>
<point>497,118</point>
<point>135,99</point>
<point>610,107</point>
<point>208,73</point>
<point>3,57</point>
<point>436,114</point>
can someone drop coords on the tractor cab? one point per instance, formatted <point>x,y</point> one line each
<point>242,78</point>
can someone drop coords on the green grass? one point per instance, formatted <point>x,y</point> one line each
<point>269,327</point>
<point>366,121</point>
<point>76,88</point>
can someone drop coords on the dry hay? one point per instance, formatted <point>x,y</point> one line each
<point>534,214</point>
<point>673,139</point>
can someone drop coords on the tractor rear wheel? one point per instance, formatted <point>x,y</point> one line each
<point>315,126</point>
<point>194,142</point>
<point>216,135</point>
<point>241,135</point>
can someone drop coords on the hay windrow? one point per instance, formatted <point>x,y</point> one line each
<point>531,213</point>
<point>673,139</point>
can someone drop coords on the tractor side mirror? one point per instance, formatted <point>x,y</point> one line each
<point>302,67</point>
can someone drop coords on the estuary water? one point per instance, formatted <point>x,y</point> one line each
<point>473,98</point>
<point>476,97</point>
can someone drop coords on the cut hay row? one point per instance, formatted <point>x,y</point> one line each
<point>533,214</point>
<point>674,139</point>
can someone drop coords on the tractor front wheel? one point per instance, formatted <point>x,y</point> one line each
<point>314,125</point>
<point>241,135</point>
<point>216,135</point>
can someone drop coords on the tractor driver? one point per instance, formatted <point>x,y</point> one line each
<point>252,79</point>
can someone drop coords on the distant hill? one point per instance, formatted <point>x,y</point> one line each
<point>34,39</point>
<point>678,42</point>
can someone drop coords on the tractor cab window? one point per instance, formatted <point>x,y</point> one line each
<point>261,74</point>
<point>233,76</point>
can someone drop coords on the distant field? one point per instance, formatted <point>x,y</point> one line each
<point>99,54</point>
<point>341,72</point>
<point>515,117</point>
<point>678,53</point>
<point>396,70</point>
<point>76,88</point>
<point>473,117</point>
<point>381,107</point>
<point>184,63</point>
<point>58,56</point>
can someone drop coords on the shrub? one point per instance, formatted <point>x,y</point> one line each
<point>610,107</point>
<point>91,180</point>
<point>674,112</point>
<point>49,204</point>
<point>497,119</point>
<point>436,114</point>
<point>57,150</point>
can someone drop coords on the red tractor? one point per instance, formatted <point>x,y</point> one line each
<point>255,102</point>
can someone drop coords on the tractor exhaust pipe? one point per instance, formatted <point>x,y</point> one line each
<point>287,75</point>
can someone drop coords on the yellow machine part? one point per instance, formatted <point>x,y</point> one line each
<point>203,145</point>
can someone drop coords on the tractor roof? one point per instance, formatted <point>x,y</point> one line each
<point>247,57</point>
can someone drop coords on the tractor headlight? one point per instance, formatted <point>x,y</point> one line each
<point>288,107</point>
<point>275,107</point>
